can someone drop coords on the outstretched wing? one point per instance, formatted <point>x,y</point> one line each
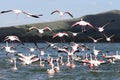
<point>68,14</point>
<point>55,12</point>
<point>91,25</point>
<point>105,25</point>
<point>91,38</point>
<point>55,35</point>
<point>32,28</point>
<point>32,15</point>
<point>76,23</point>
<point>6,11</point>
<point>47,28</point>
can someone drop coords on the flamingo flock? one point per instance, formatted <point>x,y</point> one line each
<point>68,55</point>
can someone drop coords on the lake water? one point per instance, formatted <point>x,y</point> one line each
<point>34,72</point>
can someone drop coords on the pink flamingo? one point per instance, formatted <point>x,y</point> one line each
<point>60,35</point>
<point>12,38</point>
<point>83,24</point>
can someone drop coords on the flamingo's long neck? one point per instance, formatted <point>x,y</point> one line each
<point>57,63</point>
<point>14,60</point>
<point>90,57</point>
<point>68,60</point>
<point>7,44</point>
<point>86,56</point>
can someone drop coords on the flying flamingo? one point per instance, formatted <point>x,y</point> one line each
<point>101,29</point>
<point>9,49</point>
<point>17,12</point>
<point>74,33</point>
<point>62,13</point>
<point>40,31</point>
<point>60,35</point>
<point>108,38</point>
<point>27,59</point>
<point>83,24</point>
<point>95,40</point>
<point>31,49</point>
<point>12,38</point>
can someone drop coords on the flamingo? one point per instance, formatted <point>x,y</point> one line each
<point>93,63</point>
<point>96,52</point>
<point>71,65</point>
<point>53,45</point>
<point>42,50</point>
<point>41,31</point>
<point>61,60</point>
<point>27,59</point>
<point>108,38</point>
<point>84,47</point>
<point>60,35</point>
<point>83,24</point>
<point>101,29</point>
<point>95,40</point>
<point>31,49</point>
<point>51,71</point>
<point>74,33</point>
<point>57,68</point>
<point>14,68</point>
<point>41,63</point>
<point>17,12</point>
<point>75,47</point>
<point>112,58</point>
<point>9,49</point>
<point>84,60</point>
<point>12,38</point>
<point>62,13</point>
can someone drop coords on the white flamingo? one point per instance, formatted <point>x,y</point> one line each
<point>27,59</point>
<point>74,33</point>
<point>95,40</point>
<point>62,13</point>
<point>108,38</point>
<point>40,31</point>
<point>101,29</point>
<point>83,24</point>
<point>14,68</point>
<point>17,12</point>
<point>96,52</point>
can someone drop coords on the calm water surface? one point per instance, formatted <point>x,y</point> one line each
<point>34,72</point>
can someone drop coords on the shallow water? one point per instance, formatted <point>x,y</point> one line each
<point>34,72</point>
